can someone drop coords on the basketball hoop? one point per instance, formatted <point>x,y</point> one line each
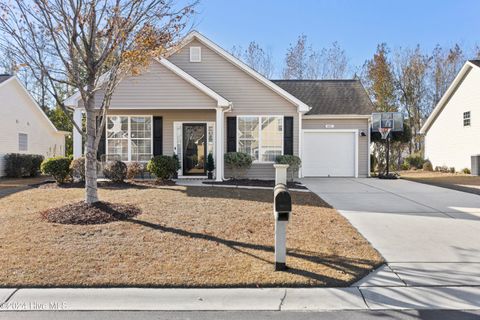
<point>384,132</point>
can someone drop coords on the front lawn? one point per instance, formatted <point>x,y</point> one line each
<point>455,181</point>
<point>185,237</point>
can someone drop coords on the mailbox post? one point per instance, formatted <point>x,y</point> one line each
<point>282,209</point>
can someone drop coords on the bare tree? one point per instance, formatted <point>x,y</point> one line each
<point>328,63</point>
<point>445,66</point>
<point>89,45</point>
<point>411,75</point>
<point>296,59</point>
<point>257,58</point>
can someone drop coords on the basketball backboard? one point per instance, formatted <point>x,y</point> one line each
<point>391,120</point>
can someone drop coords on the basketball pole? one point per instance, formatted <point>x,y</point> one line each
<point>388,153</point>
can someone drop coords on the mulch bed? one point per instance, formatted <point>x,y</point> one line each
<point>138,184</point>
<point>256,183</point>
<point>84,214</point>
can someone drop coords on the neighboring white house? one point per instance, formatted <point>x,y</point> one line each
<point>24,127</point>
<point>452,132</point>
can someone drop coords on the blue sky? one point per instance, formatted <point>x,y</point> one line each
<point>357,25</point>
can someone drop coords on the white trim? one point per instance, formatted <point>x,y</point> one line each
<point>300,142</point>
<point>192,54</point>
<point>73,100</point>
<point>354,131</point>
<point>129,151</point>
<point>260,135</point>
<point>337,116</point>
<point>34,102</point>
<point>467,67</point>
<point>175,141</point>
<point>18,141</point>
<point>221,101</point>
<point>369,168</point>
<point>302,107</point>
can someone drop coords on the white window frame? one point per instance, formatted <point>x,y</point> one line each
<point>18,141</point>
<point>129,149</point>
<point>469,118</point>
<point>192,54</point>
<point>260,134</point>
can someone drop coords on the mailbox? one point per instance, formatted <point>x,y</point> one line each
<point>282,200</point>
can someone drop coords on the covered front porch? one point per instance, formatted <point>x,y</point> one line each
<point>138,135</point>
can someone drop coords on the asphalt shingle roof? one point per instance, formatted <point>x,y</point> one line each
<point>475,62</point>
<point>330,96</point>
<point>4,77</point>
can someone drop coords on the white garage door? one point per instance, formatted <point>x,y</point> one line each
<point>329,154</point>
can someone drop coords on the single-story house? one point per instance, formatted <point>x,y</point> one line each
<point>199,99</point>
<point>452,131</point>
<point>24,127</point>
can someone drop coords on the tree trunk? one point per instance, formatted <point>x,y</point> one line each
<point>91,194</point>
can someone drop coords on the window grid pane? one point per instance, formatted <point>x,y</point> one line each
<point>261,137</point>
<point>272,138</point>
<point>23,142</point>
<point>247,132</point>
<point>129,132</point>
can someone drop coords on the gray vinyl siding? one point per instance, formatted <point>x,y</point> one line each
<point>157,87</point>
<point>249,96</point>
<point>360,124</point>
<point>169,117</point>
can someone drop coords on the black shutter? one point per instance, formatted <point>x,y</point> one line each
<point>288,135</point>
<point>231,134</point>
<point>102,143</point>
<point>157,136</point>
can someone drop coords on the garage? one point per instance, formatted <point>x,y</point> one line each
<point>330,153</point>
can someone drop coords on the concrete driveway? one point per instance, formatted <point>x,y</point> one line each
<point>429,236</point>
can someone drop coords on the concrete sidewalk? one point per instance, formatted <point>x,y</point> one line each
<point>276,299</point>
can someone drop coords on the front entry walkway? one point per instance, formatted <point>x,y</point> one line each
<point>429,236</point>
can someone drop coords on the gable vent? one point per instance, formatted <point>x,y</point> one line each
<point>195,54</point>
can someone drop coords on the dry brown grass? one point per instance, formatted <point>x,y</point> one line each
<point>455,181</point>
<point>186,237</point>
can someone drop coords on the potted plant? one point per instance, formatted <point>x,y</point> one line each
<point>210,166</point>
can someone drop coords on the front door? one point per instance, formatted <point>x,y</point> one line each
<point>194,148</point>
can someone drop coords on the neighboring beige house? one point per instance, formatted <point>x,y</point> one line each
<point>452,132</point>
<point>199,99</point>
<point>24,127</point>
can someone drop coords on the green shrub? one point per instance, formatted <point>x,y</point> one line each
<point>451,169</point>
<point>210,165</point>
<point>414,160</point>
<point>466,171</point>
<point>134,169</point>
<point>163,167</point>
<point>115,171</point>
<point>427,166</point>
<point>237,161</point>
<point>58,167</point>
<point>77,167</point>
<point>22,165</point>
<point>405,166</point>
<point>294,163</point>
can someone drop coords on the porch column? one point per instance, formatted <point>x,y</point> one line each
<point>77,137</point>
<point>219,137</point>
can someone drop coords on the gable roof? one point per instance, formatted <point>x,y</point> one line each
<point>330,97</point>
<point>37,107</point>
<point>467,67</point>
<point>5,77</point>
<point>301,105</point>
<point>72,101</point>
